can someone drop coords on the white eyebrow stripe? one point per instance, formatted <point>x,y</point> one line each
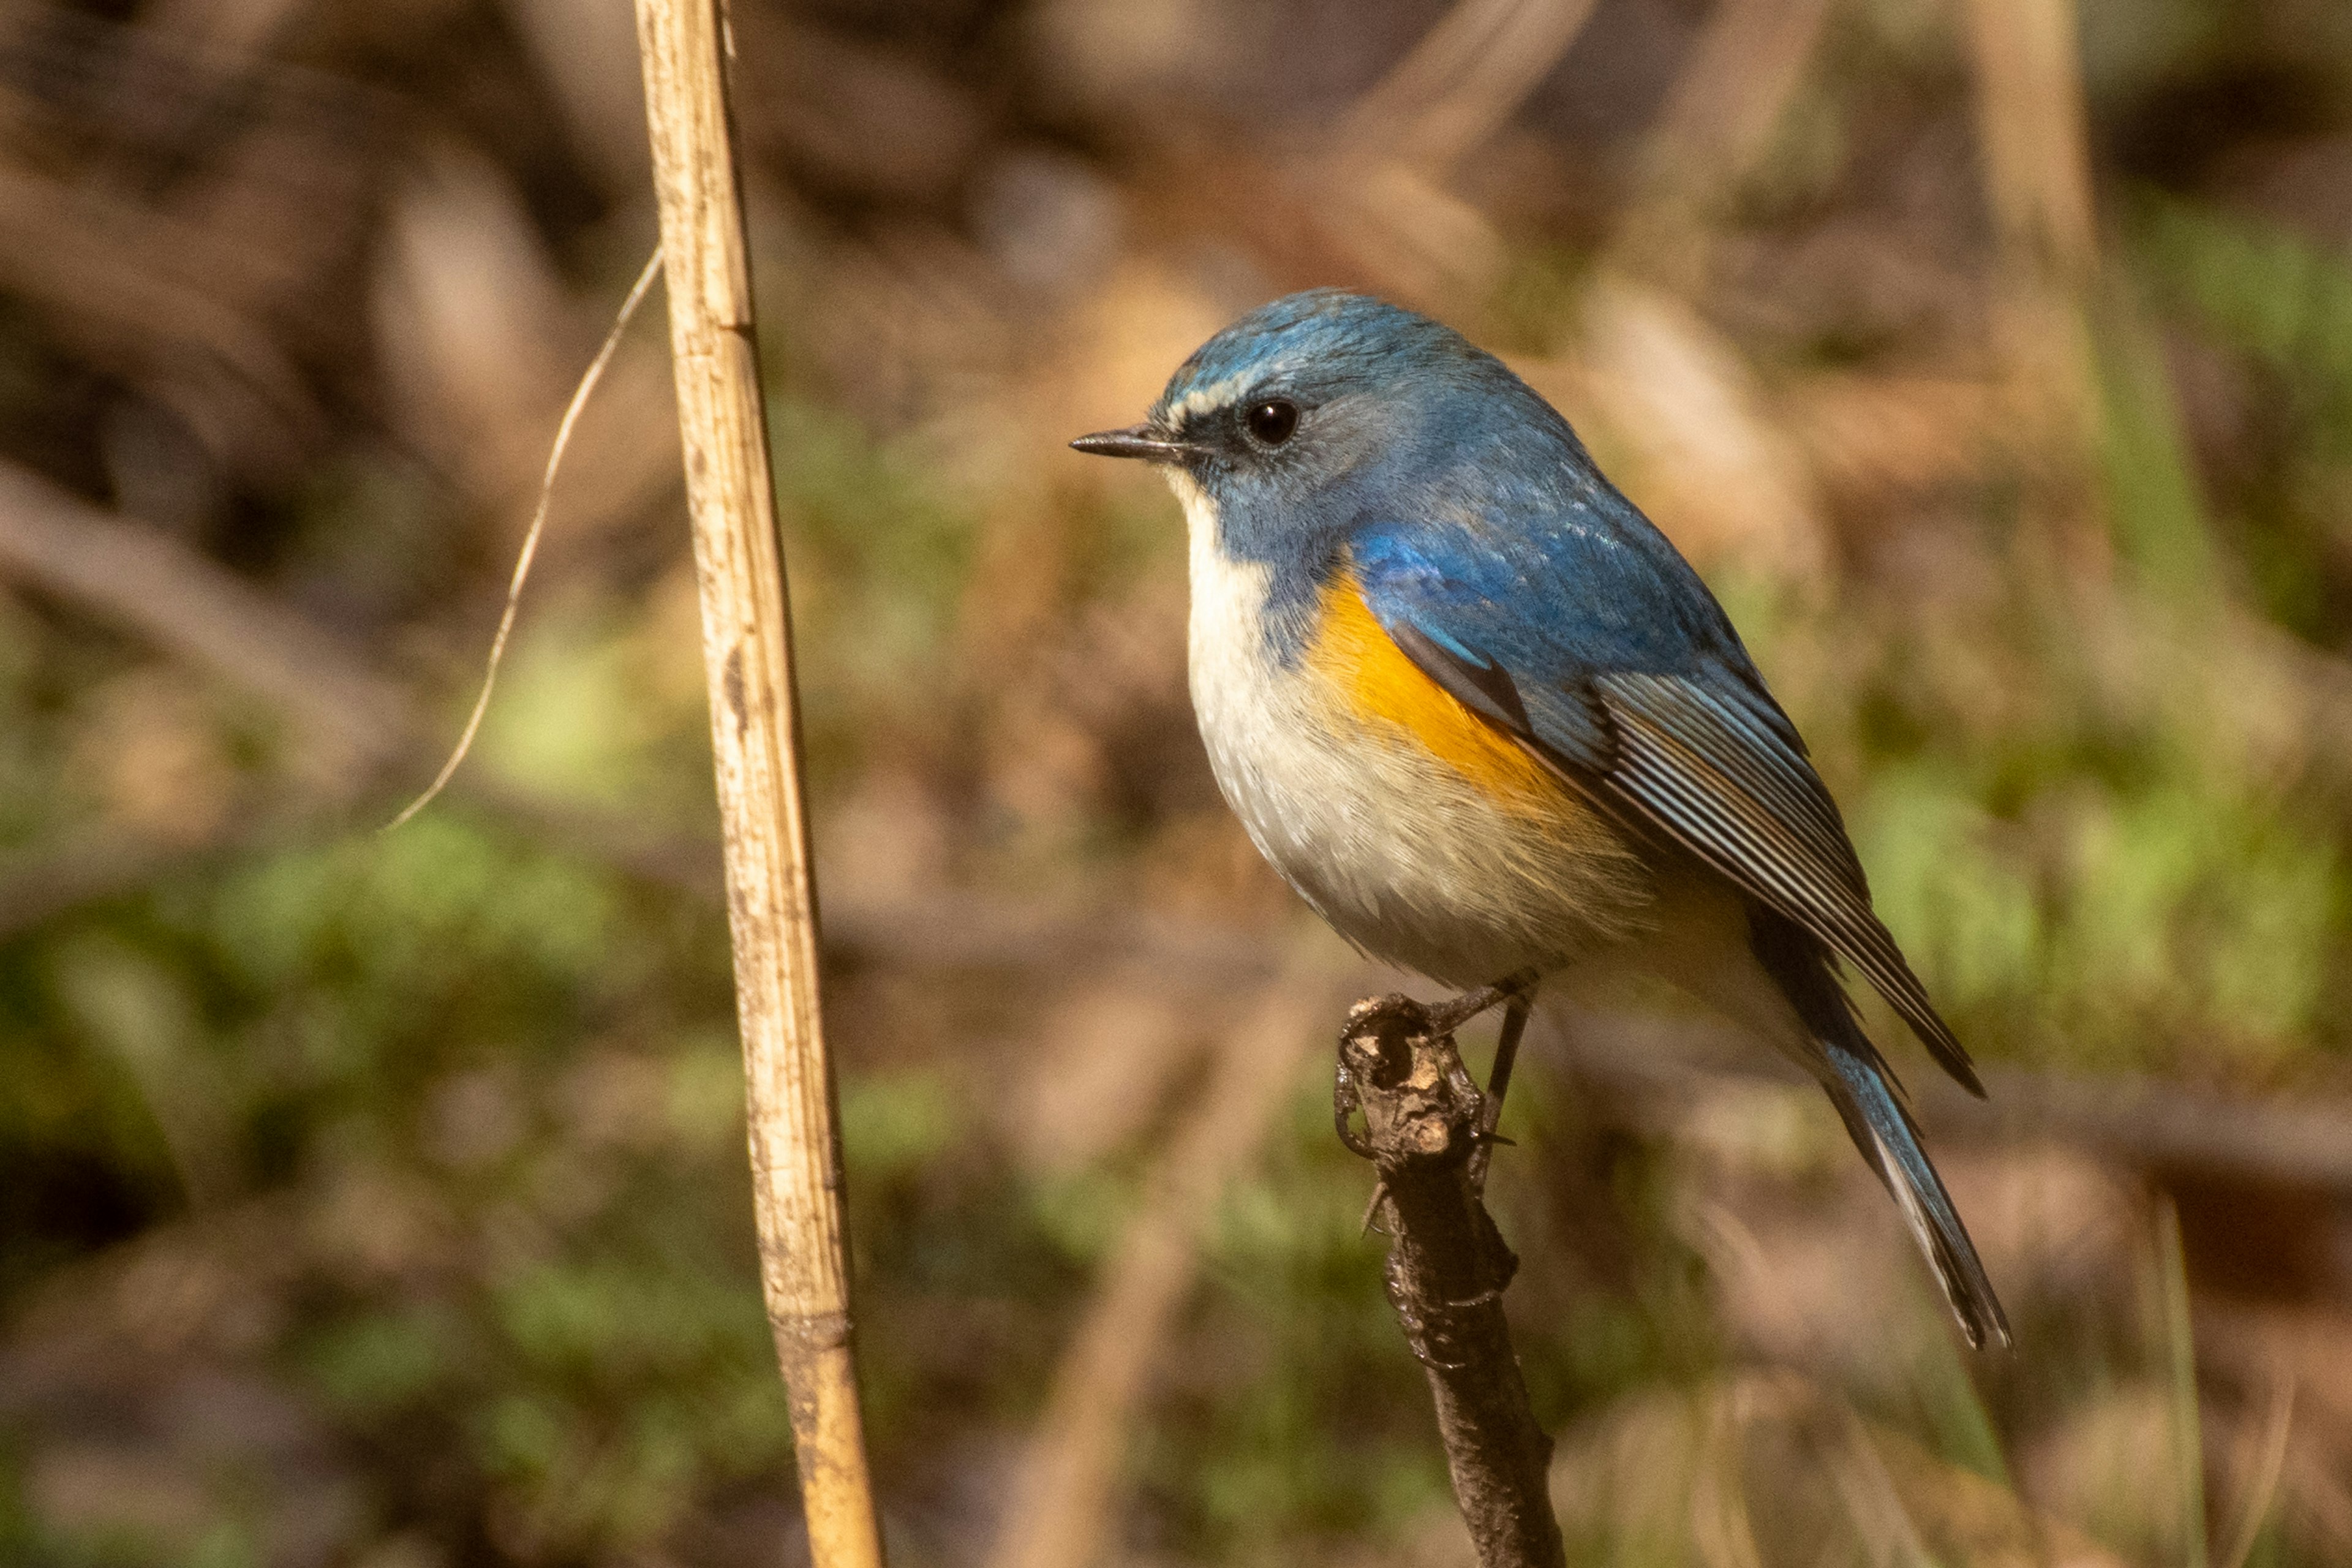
<point>1202,399</point>
<point>1224,393</point>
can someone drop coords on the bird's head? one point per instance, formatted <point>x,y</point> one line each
<point>1322,407</point>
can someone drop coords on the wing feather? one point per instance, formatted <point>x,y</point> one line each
<point>1759,814</point>
<point>1714,763</point>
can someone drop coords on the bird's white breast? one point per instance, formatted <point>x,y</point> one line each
<point>1401,854</point>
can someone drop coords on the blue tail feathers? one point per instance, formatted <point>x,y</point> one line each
<point>1861,1087</point>
<point>1888,1138</point>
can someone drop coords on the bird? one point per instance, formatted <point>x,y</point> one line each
<point>1489,722</point>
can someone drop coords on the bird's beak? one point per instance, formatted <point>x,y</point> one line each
<point>1135,441</point>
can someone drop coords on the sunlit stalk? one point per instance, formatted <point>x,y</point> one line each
<point>755,742</point>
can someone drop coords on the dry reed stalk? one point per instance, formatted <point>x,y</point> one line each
<point>755,741</point>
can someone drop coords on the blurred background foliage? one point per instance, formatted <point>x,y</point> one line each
<point>379,1200</point>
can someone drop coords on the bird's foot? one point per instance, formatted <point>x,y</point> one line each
<point>1448,1016</point>
<point>1392,1020</point>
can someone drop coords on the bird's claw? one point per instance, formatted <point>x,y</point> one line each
<point>1345,1103</point>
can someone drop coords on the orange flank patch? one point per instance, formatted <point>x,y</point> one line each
<point>1384,688</point>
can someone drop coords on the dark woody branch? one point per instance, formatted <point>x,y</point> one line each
<point>1447,1269</point>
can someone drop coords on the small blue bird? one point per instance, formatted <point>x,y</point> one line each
<point>1489,723</point>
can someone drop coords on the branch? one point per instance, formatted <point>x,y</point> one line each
<point>1447,1270</point>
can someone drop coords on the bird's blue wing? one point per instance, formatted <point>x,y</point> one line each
<point>1593,644</point>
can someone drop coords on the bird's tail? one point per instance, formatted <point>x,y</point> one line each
<point>1861,1087</point>
<point>1889,1140</point>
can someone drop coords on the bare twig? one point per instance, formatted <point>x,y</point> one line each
<point>755,740</point>
<point>1447,1270</point>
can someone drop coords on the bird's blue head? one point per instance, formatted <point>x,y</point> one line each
<point>1326,410</point>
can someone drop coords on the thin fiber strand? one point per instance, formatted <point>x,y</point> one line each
<point>523,558</point>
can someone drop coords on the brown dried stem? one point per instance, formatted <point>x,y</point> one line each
<point>1447,1269</point>
<point>755,738</point>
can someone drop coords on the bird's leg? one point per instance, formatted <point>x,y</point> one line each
<point>1520,1003</point>
<point>1449,1016</point>
<point>1516,993</point>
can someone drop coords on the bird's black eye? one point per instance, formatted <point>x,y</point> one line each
<point>1273,421</point>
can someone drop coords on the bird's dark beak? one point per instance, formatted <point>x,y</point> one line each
<point>1135,441</point>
